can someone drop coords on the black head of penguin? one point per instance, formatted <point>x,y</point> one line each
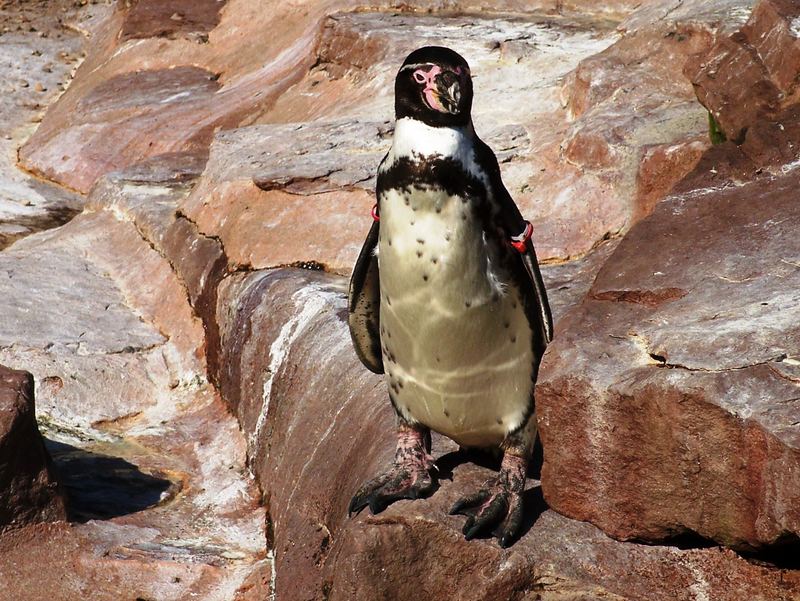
<point>434,86</point>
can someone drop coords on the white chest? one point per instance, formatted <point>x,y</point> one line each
<point>456,341</point>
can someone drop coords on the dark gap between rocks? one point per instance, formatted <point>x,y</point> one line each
<point>784,555</point>
<point>100,487</point>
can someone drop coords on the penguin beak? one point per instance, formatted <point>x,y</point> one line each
<point>442,91</point>
<point>448,92</point>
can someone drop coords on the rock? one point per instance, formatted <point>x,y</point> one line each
<point>156,18</point>
<point>162,504</point>
<point>28,490</point>
<point>580,175</point>
<point>318,424</point>
<point>28,204</point>
<point>214,156</point>
<point>675,380</point>
<point>273,196</point>
<point>749,76</point>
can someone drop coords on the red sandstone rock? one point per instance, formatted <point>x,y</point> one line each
<point>674,382</point>
<point>318,424</point>
<point>28,490</point>
<point>161,92</point>
<point>749,76</point>
<point>146,449</point>
<point>28,61</point>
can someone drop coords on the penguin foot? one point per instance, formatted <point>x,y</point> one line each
<point>497,507</point>
<point>409,477</point>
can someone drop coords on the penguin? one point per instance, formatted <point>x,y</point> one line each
<point>447,301</point>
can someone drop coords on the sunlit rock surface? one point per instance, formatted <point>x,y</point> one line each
<point>196,385</point>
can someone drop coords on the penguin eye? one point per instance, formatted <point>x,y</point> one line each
<point>448,79</point>
<point>420,77</point>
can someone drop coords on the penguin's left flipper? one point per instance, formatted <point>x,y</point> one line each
<point>528,275</point>
<point>364,304</point>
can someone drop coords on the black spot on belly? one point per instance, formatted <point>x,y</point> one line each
<point>419,254</point>
<point>499,422</point>
<point>420,241</point>
<point>425,276</point>
<point>446,413</point>
<point>506,325</point>
<point>467,304</point>
<point>513,339</point>
<point>434,260</point>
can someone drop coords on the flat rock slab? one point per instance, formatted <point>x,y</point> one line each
<point>319,424</point>
<point>669,398</point>
<point>161,503</point>
<point>38,53</point>
<point>28,489</point>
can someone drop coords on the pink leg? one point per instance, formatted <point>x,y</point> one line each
<point>497,506</point>
<point>408,478</point>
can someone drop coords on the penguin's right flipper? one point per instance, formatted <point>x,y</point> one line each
<point>364,304</point>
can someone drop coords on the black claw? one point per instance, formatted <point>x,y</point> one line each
<point>468,527</point>
<point>491,510</point>
<point>355,507</point>
<point>469,505</point>
<point>509,529</point>
<point>393,486</point>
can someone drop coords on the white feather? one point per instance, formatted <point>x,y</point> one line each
<point>414,139</point>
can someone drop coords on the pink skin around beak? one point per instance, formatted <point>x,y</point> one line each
<point>432,95</point>
<point>428,78</point>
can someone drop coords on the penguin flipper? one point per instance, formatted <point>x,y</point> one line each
<point>537,305</point>
<point>364,304</point>
<point>531,264</point>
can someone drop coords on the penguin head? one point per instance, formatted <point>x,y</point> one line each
<point>434,86</point>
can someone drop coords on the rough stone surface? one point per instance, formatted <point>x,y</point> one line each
<point>750,75</point>
<point>28,490</point>
<point>38,52</point>
<point>676,379</point>
<point>554,87</point>
<point>161,503</point>
<point>318,424</point>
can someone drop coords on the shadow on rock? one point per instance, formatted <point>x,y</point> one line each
<point>100,487</point>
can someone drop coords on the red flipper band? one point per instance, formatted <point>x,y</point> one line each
<point>374,213</point>
<point>520,242</point>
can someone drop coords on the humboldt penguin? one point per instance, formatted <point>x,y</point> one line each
<point>447,300</point>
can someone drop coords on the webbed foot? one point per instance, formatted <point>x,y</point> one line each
<point>497,507</point>
<point>409,477</point>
